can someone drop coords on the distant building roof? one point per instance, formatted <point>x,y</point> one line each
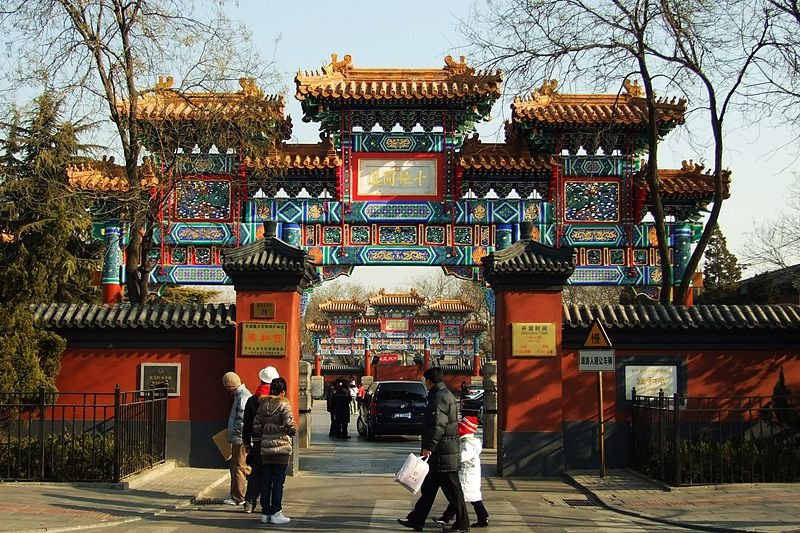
<point>399,299</point>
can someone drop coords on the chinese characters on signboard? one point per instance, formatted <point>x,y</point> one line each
<point>389,177</point>
<point>596,360</point>
<point>263,310</point>
<point>396,325</point>
<point>649,379</point>
<point>157,375</point>
<point>264,338</point>
<point>533,340</point>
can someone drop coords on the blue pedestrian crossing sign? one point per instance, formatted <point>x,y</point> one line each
<point>597,337</point>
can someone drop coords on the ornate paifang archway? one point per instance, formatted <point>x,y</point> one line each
<point>418,196</point>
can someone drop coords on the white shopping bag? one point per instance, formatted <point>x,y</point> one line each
<point>412,473</point>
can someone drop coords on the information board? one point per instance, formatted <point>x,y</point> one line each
<point>264,338</point>
<point>537,339</point>
<point>157,375</point>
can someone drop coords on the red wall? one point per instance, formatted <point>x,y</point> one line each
<point>202,396</point>
<point>708,373</point>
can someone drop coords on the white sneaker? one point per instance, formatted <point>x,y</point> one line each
<point>231,501</point>
<point>280,518</point>
<point>266,519</point>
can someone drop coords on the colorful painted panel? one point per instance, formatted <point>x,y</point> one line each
<point>616,257</point>
<point>434,235</point>
<point>202,256</point>
<point>203,200</point>
<point>397,235</point>
<point>398,255</point>
<point>591,201</point>
<point>451,330</point>
<point>378,212</point>
<point>331,235</point>
<point>397,142</point>
<point>200,233</point>
<point>462,236</point>
<point>583,235</point>
<point>178,256</point>
<point>188,164</point>
<point>359,235</point>
<point>341,331</point>
<point>585,165</point>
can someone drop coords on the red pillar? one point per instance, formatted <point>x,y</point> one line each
<point>476,365</point>
<point>527,279</point>
<point>426,354</point>
<point>367,358</point>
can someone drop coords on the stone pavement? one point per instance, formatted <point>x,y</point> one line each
<point>745,507</point>
<point>346,485</point>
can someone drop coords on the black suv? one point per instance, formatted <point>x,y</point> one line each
<point>392,408</point>
<point>472,404</point>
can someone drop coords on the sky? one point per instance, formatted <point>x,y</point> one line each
<point>418,34</point>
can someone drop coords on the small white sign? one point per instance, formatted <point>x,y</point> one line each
<point>650,379</point>
<point>596,360</point>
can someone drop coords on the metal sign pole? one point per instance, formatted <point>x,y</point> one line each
<point>600,425</point>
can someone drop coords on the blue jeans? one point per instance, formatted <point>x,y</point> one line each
<point>272,479</point>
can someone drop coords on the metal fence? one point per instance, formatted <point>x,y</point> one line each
<point>705,440</point>
<point>81,436</point>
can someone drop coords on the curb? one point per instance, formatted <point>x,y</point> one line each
<point>131,485</point>
<point>666,521</point>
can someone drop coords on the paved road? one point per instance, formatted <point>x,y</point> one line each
<point>347,485</point>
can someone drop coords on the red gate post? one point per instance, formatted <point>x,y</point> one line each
<point>426,354</point>
<point>527,279</point>
<point>367,357</point>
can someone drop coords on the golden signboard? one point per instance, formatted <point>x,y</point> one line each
<point>264,338</point>
<point>391,325</point>
<point>263,309</point>
<point>415,176</point>
<point>536,339</point>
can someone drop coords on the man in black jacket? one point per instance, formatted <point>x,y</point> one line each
<point>440,445</point>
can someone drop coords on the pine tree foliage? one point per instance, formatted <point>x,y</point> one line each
<point>722,268</point>
<point>46,250</point>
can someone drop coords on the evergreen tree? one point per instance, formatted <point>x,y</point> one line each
<point>46,250</point>
<point>722,268</point>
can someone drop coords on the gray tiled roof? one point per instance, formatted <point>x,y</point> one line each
<point>619,317</point>
<point>531,256</point>
<point>676,317</point>
<point>267,254</point>
<point>220,316</point>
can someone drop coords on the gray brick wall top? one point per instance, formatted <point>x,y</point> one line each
<point>210,316</point>
<point>677,317</point>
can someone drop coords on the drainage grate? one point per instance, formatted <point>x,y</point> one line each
<point>580,503</point>
<point>208,501</point>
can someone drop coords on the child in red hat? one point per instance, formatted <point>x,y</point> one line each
<point>469,473</point>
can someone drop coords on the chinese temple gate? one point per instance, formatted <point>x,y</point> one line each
<point>389,325</point>
<point>400,178</point>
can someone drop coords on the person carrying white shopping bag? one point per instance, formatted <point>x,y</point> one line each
<point>440,445</point>
<point>412,473</point>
